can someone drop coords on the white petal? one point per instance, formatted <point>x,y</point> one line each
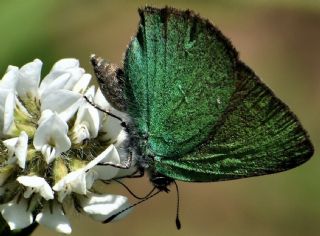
<point>8,112</point>
<point>17,215</point>
<point>75,181</point>
<point>45,115</point>
<point>36,184</point>
<point>59,68</point>
<point>69,66</point>
<point>65,64</point>
<point>112,128</point>
<point>21,149</point>
<point>52,131</point>
<point>76,74</point>
<point>11,145</point>
<point>82,179</point>
<point>63,193</point>
<point>7,105</point>
<point>87,120</point>
<point>108,172</point>
<point>49,152</point>
<point>29,79</point>
<point>91,177</point>
<point>101,101</point>
<point>10,79</point>
<point>55,85</point>
<point>90,92</point>
<point>18,147</point>
<point>82,84</point>
<point>108,154</point>
<point>80,133</point>
<point>54,219</point>
<point>101,207</point>
<point>122,136</point>
<point>63,102</point>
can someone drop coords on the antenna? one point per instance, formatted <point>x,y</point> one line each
<point>142,199</point>
<point>178,223</point>
<point>132,193</point>
<point>137,203</point>
<point>123,124</point>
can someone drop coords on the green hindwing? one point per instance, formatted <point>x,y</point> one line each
<point>206,116</point>
<point>256,135</point>
<point>180,76</point>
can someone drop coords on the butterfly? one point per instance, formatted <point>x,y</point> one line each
<point>196,112</point>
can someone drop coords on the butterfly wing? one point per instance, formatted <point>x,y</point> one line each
<point>207,116</point>
<point>256,135</point>
<point>180,75</point>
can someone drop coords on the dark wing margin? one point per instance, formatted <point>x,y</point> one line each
<point>180,75</point>
<point>257,135</point>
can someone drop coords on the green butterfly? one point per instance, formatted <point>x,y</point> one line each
<point>197,113</point>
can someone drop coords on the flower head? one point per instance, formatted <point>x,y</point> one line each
<point>52,147</point>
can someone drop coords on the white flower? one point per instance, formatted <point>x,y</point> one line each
<point>105,172</point>
<point>29,79</point>
<point>63,102</point>
<point>75,181</point>
<point>36,184</point>
<point>10,79</point>
<point>54,218</point>
<point>17,149</point>
<point>17,213</point>
<point>82,84</point>
<point>111,131</point>
<point>56,147</point>
<point>87,123</point>
<point>101,207</point>
<point>7,104</point>
<point>82,179</point>
<point>51,136</point>
<point>68,67</point>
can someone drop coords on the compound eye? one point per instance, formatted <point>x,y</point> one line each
<point>161,181</point>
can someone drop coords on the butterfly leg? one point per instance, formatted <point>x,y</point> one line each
<point>137,174</point>
<point>124,165</point>
<point>123,124</point>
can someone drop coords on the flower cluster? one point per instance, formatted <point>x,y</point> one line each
<point>52,145</point>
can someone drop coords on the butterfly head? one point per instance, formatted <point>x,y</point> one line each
<point>160,181</point>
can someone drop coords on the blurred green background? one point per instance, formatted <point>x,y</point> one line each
<point>279,39</point>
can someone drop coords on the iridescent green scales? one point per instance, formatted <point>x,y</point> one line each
<point>206,116</point>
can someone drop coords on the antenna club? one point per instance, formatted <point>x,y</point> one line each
<point>178,223</point>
